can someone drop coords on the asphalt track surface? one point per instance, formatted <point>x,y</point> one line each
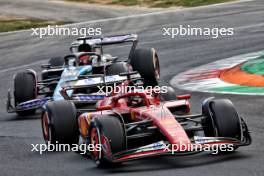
<point>60,10</point>
<point>20,51</point>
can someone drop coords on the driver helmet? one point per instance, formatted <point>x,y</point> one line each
<point>85,48</point>
<point>136,101</point>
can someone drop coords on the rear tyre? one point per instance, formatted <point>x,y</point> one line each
<point>146,62</point>
<point>117,68</point>
<point>59,123</point>
<point>25,90</point>
<point>107,130</point>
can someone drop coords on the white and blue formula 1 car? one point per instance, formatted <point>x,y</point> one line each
<point>89,66</point>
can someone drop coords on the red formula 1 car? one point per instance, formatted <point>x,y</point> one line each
<point>138,124</point>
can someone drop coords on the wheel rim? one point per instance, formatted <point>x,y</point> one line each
<point>156,68</point>
<point>46,129</point>
<point>95,141</point>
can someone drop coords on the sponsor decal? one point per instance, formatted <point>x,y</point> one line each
<point>154,146</point>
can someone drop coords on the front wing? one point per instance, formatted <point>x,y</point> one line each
<point>162,148</point>
<point>27,105</point>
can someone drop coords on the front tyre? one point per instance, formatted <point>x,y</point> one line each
<point>59,123</point>
<point>169,95</point>
<point>107,131</point>
<point>24,90</point>
<point>222,119</point>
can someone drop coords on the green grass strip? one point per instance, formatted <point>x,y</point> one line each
<point>239,89</point>
<point>19,24</point>
<point>255,66</point>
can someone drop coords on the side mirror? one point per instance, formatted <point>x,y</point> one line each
<point>184,97</point>
<point>107,107</point>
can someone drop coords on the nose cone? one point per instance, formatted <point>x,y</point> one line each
<point>170,127</point>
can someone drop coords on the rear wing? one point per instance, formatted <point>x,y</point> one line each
<point>108,40</point>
